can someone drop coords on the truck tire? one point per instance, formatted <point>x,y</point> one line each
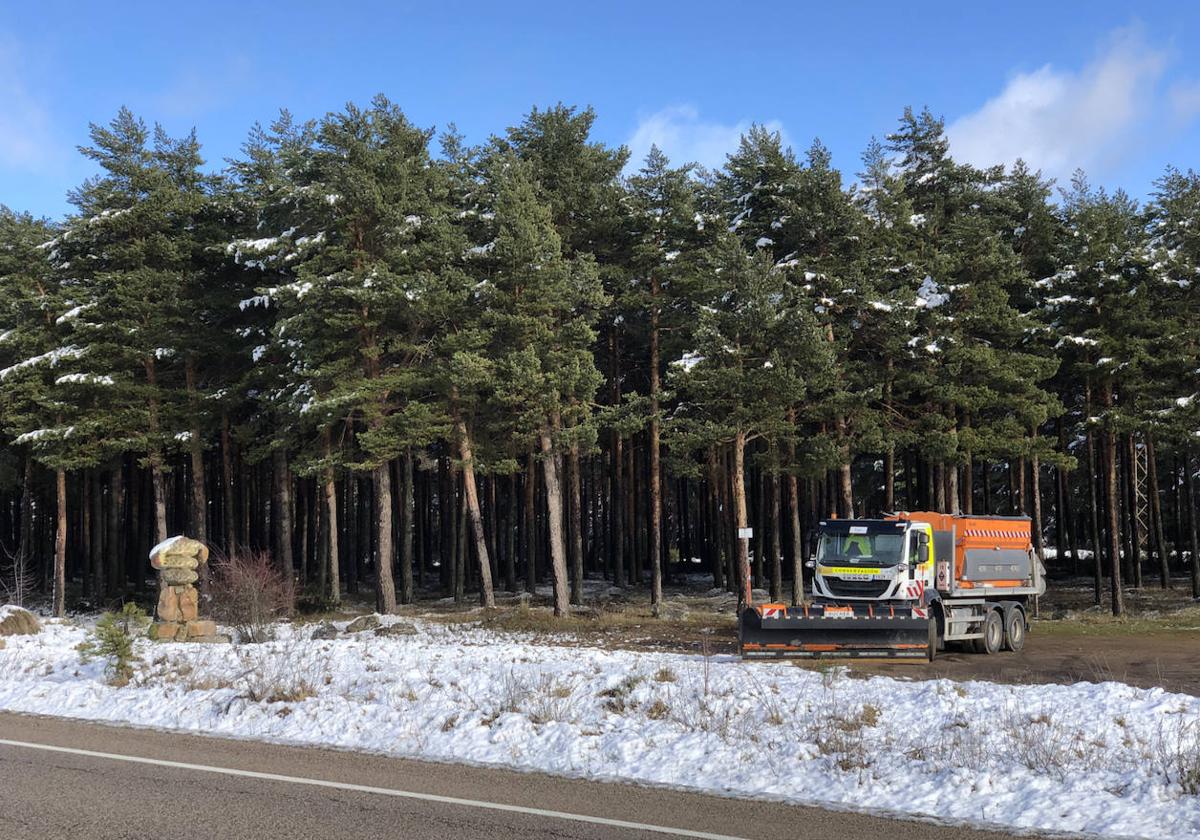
<point>993,634</point>
<point>933,638</point>
<point>1014,630</point>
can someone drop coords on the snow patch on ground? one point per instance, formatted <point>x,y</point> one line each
<point>1099,758</point>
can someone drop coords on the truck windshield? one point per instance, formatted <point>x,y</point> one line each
<point>870,547</point>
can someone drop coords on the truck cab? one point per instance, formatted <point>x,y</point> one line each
<point>874,560</point>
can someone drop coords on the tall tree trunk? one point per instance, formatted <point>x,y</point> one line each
<point>114,545</point>
<point>1113,501</point>
<point>576,508</point>
<point>445,524</point>
<point>968,474</point>
<point>1035,490</point>
<point>761,512</point>
<point>302,519</point>
<point>511,530</point>
<point>799,545</point>
<point>740,519</point>
<point>23,572</point>
<point>952,488</point>
<point>776,541</point>
<point>461,550</point>
<point>1066,526</point>
<point>154,455</point>
<point>1023,506</point>
<point>554,513</point>
<point>985,473</point>
<point>407,523</point>
<point>97,534</point>
<point>793,484</point>
<point>531,524</point>
<point>633,524</point>
<point>1094,518</point>
<point>357,511</point>
<point>715,519</point>
<point>385,553</point>
<point>486,593</point>
<point>60,546</point>
<point>655,455</point>
<point>845,473</point>
<point>617,504</point>
<point>228,515</point>
<point>1193,526</point>
<point>283,511</point>
<point>329,489</point>
<point>938,479</point>
<point>199,509</point>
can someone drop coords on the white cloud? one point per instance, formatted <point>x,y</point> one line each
<point>1059,120</point>
<point>1185,101</point>
<point>25,130</point>
<point>686,138</point>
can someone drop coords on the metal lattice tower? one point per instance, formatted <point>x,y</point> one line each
<point>1141,493</point>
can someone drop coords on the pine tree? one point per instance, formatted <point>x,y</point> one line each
<point>757,353</point>
<point>542,307</point>
<point>1100,302</point>
<point>663,227</point>
<point>577,178</point>
<point>132,247</point>
<point>352,319</point>
<point>977,383</point>
<point>48,395</point>
<point>884,321</point>
<point>1174,354</point>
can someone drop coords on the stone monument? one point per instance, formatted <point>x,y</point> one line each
<point>177,617</point>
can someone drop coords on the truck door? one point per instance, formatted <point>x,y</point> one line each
<point>920,559</point>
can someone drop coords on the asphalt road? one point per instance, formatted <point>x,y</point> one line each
<point>64,779</point>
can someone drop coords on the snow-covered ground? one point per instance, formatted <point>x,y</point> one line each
<point>1107,759</point>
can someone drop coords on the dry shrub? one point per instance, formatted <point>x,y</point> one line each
<point>1047,747</point>
<point>542,701</point>
<point>1176,751</point>
<point>250,594</point>
<point>276,677</point>
<point>845,737</point>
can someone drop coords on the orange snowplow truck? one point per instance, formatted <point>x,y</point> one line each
<point>902,587</point>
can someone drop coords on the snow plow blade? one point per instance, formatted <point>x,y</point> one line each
<point>776,631</point>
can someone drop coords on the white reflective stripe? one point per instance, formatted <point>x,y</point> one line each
<point>404,794</point>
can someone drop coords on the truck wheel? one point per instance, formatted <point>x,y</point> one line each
<point>933,638</point>
<point>1014,630</point>
<point>993,634</point>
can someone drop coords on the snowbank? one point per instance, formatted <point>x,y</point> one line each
<point>1102,758</point>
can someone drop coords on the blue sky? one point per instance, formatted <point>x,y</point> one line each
<point>1111,87</point>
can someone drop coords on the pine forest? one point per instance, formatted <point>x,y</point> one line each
<point>402,366</point>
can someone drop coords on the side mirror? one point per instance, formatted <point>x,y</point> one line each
<point>923,538</point>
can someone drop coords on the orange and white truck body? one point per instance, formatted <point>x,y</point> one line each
<point>904,585</point>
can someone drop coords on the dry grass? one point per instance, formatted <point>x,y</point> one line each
<point>618,698</point>
<point>658,710</point>
<point>581,621</point>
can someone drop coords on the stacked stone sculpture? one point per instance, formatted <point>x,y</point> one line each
<point>177,562</point>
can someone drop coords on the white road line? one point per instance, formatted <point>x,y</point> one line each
<point>403,794</point>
